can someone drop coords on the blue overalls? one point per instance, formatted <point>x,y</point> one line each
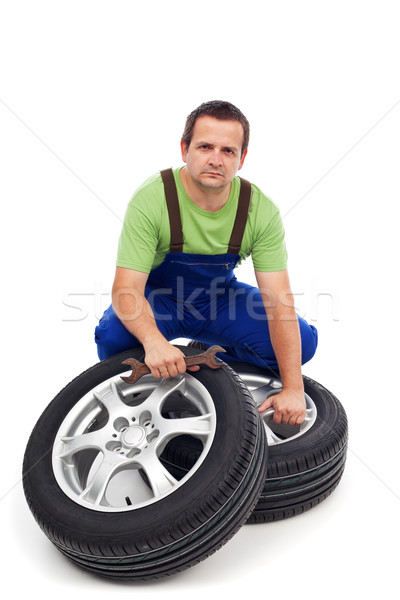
<point>197,296</point>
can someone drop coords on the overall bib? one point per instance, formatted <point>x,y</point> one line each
<point>197,296</point>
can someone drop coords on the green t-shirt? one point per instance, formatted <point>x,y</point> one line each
<point>145,235</point>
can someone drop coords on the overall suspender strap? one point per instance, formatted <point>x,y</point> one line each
<point>241,217</point>
<point>171,195</point>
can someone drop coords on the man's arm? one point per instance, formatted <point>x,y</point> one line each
<point>135,313</point>
<point>289,405</point>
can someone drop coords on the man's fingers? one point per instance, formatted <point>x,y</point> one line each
<point>175,370</point>
<point>170,367</point>
<point>168,370</point>
<point>181,365</point>
<point>278,416</point>
<point>283,414</point>
<point>266,404</point>
<point>161,370</point>
<point>296,419</point>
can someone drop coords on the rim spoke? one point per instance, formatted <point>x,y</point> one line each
<point>85,441</point>
<point>111,400</point>
<point>161,481</point>
<point>309,416</point>
<point>96,489</point>
<point>272,438</point>
<point>267,417</point>
<point>166,387</point>
<point>200,426</point>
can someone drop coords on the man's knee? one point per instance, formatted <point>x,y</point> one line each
<point>309,341</point>
<point>111,336</point>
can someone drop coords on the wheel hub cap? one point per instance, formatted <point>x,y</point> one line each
<point>133,436</point>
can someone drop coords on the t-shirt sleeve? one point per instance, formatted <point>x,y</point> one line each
<point>269,249</point>
<point>139,238</point>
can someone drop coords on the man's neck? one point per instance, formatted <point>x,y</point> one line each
<point>207,198</point>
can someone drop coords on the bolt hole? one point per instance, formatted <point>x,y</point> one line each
<point>145,418</point>
<point>113,446</point>
<point>153,435</point>
<point>121,424</point>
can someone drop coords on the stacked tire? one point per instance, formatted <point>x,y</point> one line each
<point>305,463</point>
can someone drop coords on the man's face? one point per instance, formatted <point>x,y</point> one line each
<point>214,154</point>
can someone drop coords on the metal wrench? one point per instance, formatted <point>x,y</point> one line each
<point>207,358</point>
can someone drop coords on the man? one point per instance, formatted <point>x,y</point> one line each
<point>184,232</point>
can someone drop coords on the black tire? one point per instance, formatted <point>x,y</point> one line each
<point>302,471</point>
<point>171,532</point>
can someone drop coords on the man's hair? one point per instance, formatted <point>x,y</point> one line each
<point>224,111</point>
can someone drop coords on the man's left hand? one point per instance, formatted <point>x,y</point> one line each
<point>289,407</point>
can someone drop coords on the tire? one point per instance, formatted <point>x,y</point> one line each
<point>94,475</point>
<point>305,464</point>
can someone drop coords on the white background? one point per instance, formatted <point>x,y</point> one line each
<point>93,98</point>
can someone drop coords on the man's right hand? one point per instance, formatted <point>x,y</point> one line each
<point>164,359</point>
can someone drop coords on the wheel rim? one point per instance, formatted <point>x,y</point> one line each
<point>106,454</point>
<point>263,386</point>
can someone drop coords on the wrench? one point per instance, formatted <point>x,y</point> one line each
<point>207,358</point>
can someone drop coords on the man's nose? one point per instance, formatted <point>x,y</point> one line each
<point>215,158</point>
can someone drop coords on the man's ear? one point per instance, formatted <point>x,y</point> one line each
<point>183,151</point>
<point>242,160</point>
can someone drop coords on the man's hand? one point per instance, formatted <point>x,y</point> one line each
<point>164,359</point>
<point>289,407</point>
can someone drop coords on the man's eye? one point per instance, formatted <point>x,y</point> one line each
<point>204,146</point>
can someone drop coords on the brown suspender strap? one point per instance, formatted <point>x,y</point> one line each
<point>174,214</point>
<point>176,244</point>
<point>241,217</point>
